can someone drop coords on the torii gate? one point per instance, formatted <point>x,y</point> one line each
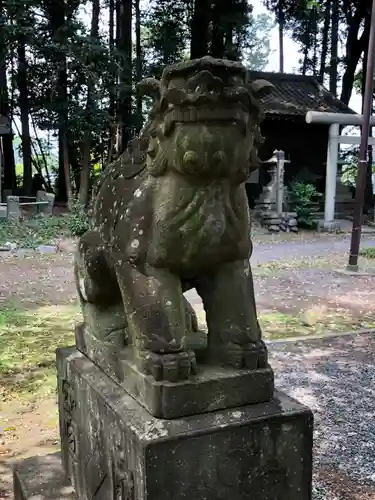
<point>334,139</point>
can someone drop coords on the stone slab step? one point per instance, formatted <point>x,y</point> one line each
<point>42,478</point>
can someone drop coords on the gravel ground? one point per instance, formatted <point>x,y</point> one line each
<point>335,377</point>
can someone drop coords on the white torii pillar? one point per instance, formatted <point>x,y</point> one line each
<point>334,139</point>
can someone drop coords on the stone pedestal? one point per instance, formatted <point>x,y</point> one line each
<point>48,199</point>
<point>328,227</point>
<point>113,448</point>
<point>13,207</point>
<point>213,388</point>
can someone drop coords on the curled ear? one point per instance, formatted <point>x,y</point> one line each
<point>149,87</point>
<point>261,88</point>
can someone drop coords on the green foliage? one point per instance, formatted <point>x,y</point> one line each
<point>257,50</point>
<point>350,168</point>
<point>165,32</point>
<point>349,174</point>
<point>368,252</point>
<point>78,220</point>
<point>302,198</point>
<point>33,232</point>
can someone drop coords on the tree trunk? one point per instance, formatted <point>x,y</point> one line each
<point>64,170</point>
<point>138,63</point>
<point>112,78</point>
<point>354,49</point>
<point>86,145</point>
<point>334,51</point>
<point>217,43</point>
<point>314,22</point>
<point>307,45</point>
<point>124,45</point>
<point>25,111</point>
<point>280,21</point>
<point>47,183</point>
<point>9,163</point>
<point>58,16</point>
<point>325,36</point>
<point>200,29</point>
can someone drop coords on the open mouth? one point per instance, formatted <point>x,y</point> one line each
<point>231,115</point>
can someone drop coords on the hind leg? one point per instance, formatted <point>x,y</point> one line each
<point>98,291</point>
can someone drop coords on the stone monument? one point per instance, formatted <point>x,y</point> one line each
<point>140,417</point>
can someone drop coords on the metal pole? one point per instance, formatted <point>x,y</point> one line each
<point>362,163</point>
<point>1,167</point>
<point>280,155</point>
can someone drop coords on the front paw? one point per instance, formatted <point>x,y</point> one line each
<point>252,355</point>
<point>173,367</point>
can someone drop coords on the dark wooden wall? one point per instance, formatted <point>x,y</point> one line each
<point>305,145</point>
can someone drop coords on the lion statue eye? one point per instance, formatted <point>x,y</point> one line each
<point>236,80</point>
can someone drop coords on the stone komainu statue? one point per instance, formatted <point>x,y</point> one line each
<point>171,214</point>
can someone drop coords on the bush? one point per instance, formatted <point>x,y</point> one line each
<point>302,198</point>
<point>78,221</point>
<point>368,252</point>
<point>32,232</point>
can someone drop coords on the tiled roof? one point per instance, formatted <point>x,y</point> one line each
<point>294,95</point>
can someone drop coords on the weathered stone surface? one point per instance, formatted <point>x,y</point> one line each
<point>42,478</point>
<point>13,207</point>
<point>328,227</point>
<point>113,448</point>
<point>171,214</point>
<point>49,198</point>
<point>274,221</point>
<point>212,388</point>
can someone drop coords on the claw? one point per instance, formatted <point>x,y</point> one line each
<point>185,366</point>
<point>251,356</point>
<point>172,367</point>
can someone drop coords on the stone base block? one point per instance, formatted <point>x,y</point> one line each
<point>213,388</point>
<point>328,227</point>
<point>113,448</point>
<point>42,478</point>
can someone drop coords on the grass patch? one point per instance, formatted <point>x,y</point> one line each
<point>28,340</point>
<point>33,232</point>
<point>315,321</point>
<point>368,252</point>
<point>269,268</point>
